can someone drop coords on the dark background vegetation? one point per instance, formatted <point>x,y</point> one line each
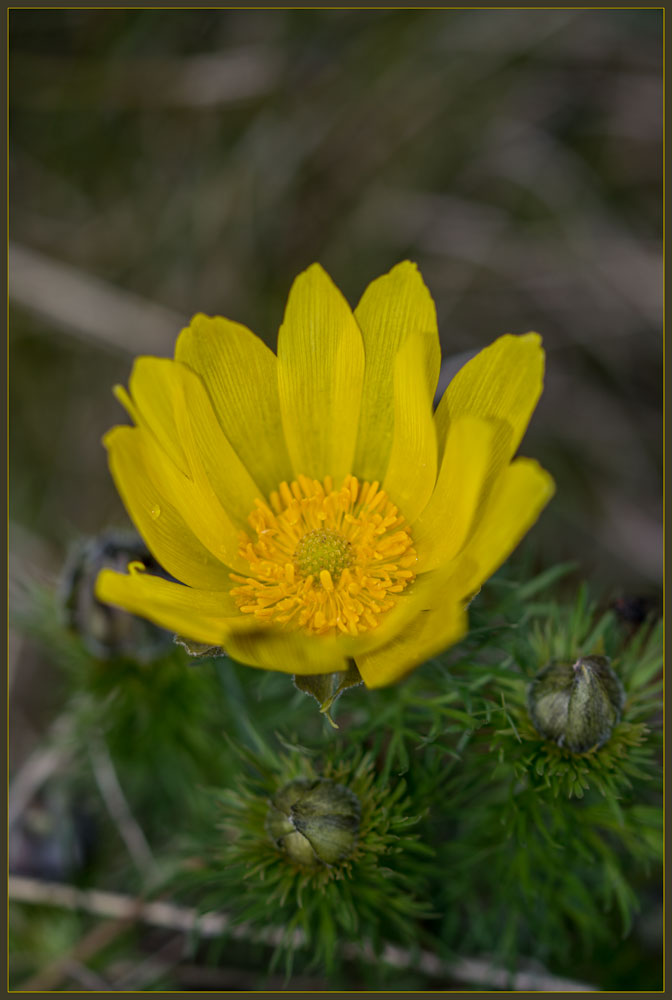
<point>168,162</point>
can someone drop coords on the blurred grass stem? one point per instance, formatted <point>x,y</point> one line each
<point>118,808</point>
<point>77,303</point>
<point>209,925</point>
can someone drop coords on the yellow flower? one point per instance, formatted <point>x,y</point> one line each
<point>315,507</point>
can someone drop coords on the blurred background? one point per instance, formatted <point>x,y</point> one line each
<point>164,163</point>
<point>168,162</point>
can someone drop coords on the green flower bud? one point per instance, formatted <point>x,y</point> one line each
<point>576,704</point>
<point>314,822</point>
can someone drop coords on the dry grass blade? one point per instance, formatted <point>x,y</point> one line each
<point>38,768</point>
<point>82,305</point>
<point>117,806</point>
<point>53,974</point>
<point>198,81</point>
<point>170,915</point>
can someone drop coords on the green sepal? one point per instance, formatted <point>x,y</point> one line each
<point>326,688</point>
<point>199,650</point>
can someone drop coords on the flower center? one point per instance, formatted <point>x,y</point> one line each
<point>323,550</point>
<point>325,560</point>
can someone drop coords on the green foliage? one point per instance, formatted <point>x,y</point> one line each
<point>535,869</point>
<point>373,894</point>
<point>155,718</point>
<point>564,773</point>
<point>477,836</point>
<point>566,632</point>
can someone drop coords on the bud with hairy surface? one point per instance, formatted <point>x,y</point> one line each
<point>576,704</point>
<point>314,822</point>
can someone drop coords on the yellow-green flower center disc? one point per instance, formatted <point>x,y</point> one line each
<point>325,560</point>
<point>320,550</point>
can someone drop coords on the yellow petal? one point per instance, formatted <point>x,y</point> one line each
<point>320,373</point>
<point>430,616</point>
<point>503,383</point>
<point>444,525</point>
<point>392,307</point>
<point>411,472</point>
<point>288,652</point>
<point>201,615</point>
<point>241,376</point>
<point>517,500</point>
<point>152,404</point>
<point>193,432</point>
<point>168,537</point>
<point>440,624</point>
<point>136,457</point>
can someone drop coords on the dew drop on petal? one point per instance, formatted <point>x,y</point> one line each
<point>155,511</point>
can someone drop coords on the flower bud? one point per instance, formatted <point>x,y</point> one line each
<point>314,821</point>
<point>106,630</point>
<point>576,704</point>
